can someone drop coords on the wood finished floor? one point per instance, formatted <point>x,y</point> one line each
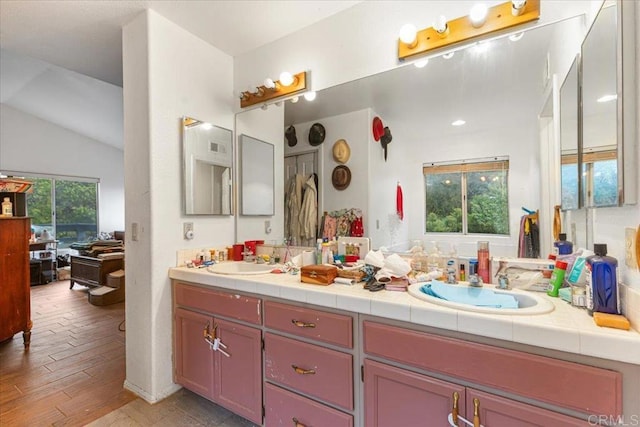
<point>74,372</point>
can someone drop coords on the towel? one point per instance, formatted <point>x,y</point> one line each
<point>479,297</point>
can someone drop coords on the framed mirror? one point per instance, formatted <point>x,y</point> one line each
<point>608,116</point>
<point>569,174</point>
<point>207,168</point>
<point>257,176</point>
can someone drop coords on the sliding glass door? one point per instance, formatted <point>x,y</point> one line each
<point>66,207</point>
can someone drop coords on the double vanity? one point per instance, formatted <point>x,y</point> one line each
<point>290,353</point>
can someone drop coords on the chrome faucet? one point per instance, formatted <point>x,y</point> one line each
<point>248,256</point>
<point>503,281</point>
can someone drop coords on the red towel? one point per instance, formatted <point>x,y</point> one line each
<point>399,208</point>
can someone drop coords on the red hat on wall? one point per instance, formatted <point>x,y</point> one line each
<point>378,128</point>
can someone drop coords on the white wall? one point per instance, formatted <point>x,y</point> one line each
<point>32,145</point>
<point>265,126</point>
<point>168,73</point>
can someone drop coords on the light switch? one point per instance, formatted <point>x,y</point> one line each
<point>134,231</point>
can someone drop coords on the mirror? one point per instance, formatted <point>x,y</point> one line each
<point>569,174</point>
<point>608,117</point>
<point>494,87</point>
<point>602,181</point>
<point>257,176</point>
<point>207,173</point>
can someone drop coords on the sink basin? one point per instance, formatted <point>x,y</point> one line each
<point>240,268</point>
<point>528,303</point>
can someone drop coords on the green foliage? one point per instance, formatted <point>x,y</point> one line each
<point>39,202</point>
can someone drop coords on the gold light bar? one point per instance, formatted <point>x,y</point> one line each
<point>499,17</point>
<point>263,93</point>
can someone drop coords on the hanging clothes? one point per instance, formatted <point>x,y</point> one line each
<point>529,239</point>
<point>292,207</point>
<point>309,211</point>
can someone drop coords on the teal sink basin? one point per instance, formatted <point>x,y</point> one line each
<point>240,268</point>
<point>475,299</point>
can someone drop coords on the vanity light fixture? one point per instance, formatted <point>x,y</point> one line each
<point>458,122</point>
<point>294,99</point>
<point>481,21</point>
<point>287,85</point>
<point>421,63</point>
<point>310,96</point>
<point>478,15</point>
<point>607,98</point>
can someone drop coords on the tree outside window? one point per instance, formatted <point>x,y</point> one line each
<point>467,198</point>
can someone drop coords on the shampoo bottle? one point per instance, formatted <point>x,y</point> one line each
<point>564,247</point>
<point>602,282</point>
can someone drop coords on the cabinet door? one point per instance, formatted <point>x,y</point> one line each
<point>496,411</point>
<point>238,377</point>
<point>193,355</point>
<point>397,397</point>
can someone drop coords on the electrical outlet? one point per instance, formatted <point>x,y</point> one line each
<point>187,230</point>
<point>267,226</point>
<point>630,248</point>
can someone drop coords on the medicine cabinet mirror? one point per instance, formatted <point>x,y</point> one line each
<point>207,172</point>
<point>257,176</point>
<point>569,173</point>
<point>608,117</point>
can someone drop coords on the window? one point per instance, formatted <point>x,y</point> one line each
<point>65,207</point>
<point>599,179</point>
<point>468,197</point>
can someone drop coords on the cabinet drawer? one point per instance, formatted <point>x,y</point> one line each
<point>305,322</point>
<point>323,373</point>
<point>221,303</point>
<point>283,408</point>
<point>516,372</point>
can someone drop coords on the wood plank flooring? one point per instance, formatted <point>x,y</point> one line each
<point>75,368</point>
<point>74,372</point>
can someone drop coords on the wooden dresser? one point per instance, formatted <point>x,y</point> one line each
<point>15,298</point>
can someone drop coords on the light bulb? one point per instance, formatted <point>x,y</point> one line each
<point>441,26</point>
<point>294,99</point>
<point>517,7</point>
<point>264,107</point>
<point>421,63</point>
<point>607,98</point>
<point>310,96</point>
<point>478,15</point>
<point>448,55</point>
<point>269,83</point>
<point>286,79</point>
<point>206,126</point>
<point>408,34</point>
<point>458,122</point>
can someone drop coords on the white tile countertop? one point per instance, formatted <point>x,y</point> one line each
<point>566,328</point>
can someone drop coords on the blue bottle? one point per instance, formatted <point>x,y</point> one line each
<point>602,282</point>
<point>564,247</point>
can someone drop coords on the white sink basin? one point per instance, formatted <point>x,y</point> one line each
<point>240,268</point>
<point>528,302</point>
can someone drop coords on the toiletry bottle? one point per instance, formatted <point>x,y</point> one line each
<point>7,207</point>
<point>483,261</point>
<point>602,282</point>
<point>463,277</point>
<point>319,251</point>
<point>452,261</point>
<point>557,278</point>
<point>564,247</point>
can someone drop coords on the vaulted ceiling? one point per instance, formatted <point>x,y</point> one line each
<point>61,61</point>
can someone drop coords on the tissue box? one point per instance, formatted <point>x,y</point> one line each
<point>318,274</point>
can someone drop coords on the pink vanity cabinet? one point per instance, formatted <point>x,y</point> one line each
<point>233,381</point>
<point>411,395</point>
<point>308,382</point>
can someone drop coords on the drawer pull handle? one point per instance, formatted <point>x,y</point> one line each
<point>454,411</point>
<point>301,324</point>
<point>303,371</point>
<point>297,423</point>
<point>476,412</point>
